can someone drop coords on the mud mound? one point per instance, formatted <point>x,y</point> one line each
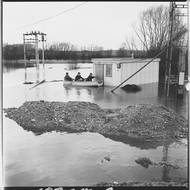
<point>151,121</point>
<point>145,162</point>
<point>41,116</point>
<point>79,116</point>
<point>35,116</point>
<point>144,121</point>
<point>131,88</point>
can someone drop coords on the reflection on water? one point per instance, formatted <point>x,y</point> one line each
<point>11,67</point>
<point>75,159</point>
<point>166,169</point>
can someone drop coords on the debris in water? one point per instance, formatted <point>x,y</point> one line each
<point>166,164</point>
<point>107,158</point>
<point>28,82</point>
<point>145,162</point>
<point>131,88</point>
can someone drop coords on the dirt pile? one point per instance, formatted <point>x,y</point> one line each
<point>41,116</point>
<point>131,88</point>
<point>145,162</point>
<point>149,121</point>
<point>142,121</point>
<point>79,116</point>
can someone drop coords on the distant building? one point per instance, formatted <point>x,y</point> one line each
<point>113,71</point>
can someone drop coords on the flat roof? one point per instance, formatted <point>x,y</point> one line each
<point>122,60</point>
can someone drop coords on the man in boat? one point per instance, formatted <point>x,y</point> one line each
<point>78,77</point>
<point>67,77</point>
<point>90,77</point>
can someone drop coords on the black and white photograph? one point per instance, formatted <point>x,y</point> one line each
<point>95,94</point>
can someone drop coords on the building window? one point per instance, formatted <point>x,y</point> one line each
<point>108,70</point>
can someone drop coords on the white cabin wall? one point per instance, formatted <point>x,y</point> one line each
<point>93,69</point>
<point>149,74</point>
<point>127,70</point>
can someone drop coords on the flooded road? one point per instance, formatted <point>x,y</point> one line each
<point>75,159</point>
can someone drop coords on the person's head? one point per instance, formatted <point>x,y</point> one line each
<point>67,73</point>
<point>78,73</point>
<point>90,74</point>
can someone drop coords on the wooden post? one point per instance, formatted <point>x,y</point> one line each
<point>188,46</point>
<point>172,6</point>
<point>25,66</point>
<point>37,57</point>
<point>188,54</point>
<point>43,61</point>
<point>166,71</point>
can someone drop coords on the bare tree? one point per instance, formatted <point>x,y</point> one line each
<point>93,47</point>
<point>152,34</point>
<point>153,28</point>
<point>63,46</point>
<point>129,44</point>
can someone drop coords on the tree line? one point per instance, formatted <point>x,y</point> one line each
<point>16,52</point>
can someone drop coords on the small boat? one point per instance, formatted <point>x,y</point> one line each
<point>83,83</point>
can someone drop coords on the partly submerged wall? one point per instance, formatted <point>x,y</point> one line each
<point>116,70</point>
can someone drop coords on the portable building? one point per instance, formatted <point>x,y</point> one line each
<point>113,71</point>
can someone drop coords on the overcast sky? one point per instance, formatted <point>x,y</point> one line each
<point>105,24</point>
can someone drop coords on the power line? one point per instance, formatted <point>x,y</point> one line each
<point>58,14</point>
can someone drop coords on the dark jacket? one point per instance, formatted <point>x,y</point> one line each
<point>78,77</point>
<point>68,78</point>
<point>89,78</point>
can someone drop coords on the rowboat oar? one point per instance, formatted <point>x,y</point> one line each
<point>43,81</point>
<point>55,81</point>
<point>38,84</point>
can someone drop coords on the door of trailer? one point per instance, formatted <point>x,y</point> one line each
<point>99,72</point>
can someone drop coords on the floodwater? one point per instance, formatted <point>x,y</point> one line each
<point>74,159</point>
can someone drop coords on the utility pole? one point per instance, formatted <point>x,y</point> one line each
<point>33,37</point>
<point>172,19</point>
<point>182,53</point>
<point>170,49</point>
<point>25,66</point>
<point>188,47</point>
<point>43,59</point>
<point>37,56</point>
